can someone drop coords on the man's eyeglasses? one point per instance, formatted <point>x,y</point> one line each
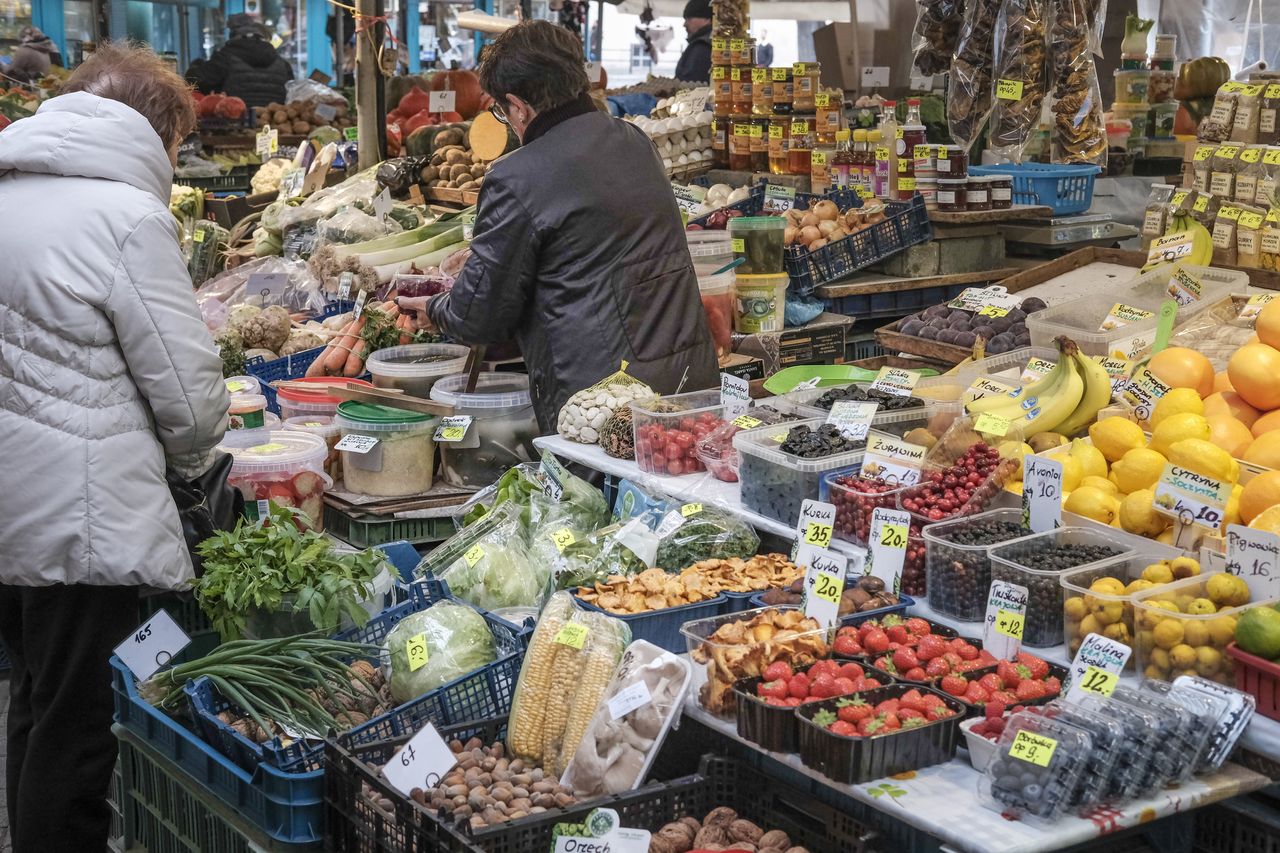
<point>498,113</point>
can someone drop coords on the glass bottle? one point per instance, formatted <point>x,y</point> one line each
<point>887,165</point>
<point>759,144</point>
<point>761,92</point>
<point>803,88</point>
<point>779,136</point>
<point>740,144</point>
<point>820,178</point>
<point>858,174</point>
<point>720,141</point>
<point>842,161</point>
<point>827,115</point>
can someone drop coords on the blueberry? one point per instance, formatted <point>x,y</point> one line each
<point>1031,792</point>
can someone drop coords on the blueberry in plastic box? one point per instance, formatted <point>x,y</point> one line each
<point>1108,736</point>
<point>1036,768</point>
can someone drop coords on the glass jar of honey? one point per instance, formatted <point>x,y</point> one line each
<point>800,145</point>
<point>719,51</point>
<point>720,142</point>
<point>802,86</point>
<point>826,116</point>
<point>740,90</point>
<point>761,92</point>
<point>721,89</point>
<point>740,144</point>
<point>779,137</point>
<point>742,52</point>
<point>783,92</point>
<point>759,144</point>
<point>820,168</point>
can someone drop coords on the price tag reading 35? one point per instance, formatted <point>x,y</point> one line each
<point>817,521</point>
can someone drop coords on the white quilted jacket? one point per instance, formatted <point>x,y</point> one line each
<point>106,369</point>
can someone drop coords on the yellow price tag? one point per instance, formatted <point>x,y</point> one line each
<point>822,99</point>
<point>313,424</point>
<point>198,236</point>
<point>738,244</point>
<point>1203,152</point>
<point>818,534</point>
<point>778,437</point>
<point>1033,748</point>
<point>270,447</point>
<point>742,129</point>
<point>799,69</point>
<point>993,311</point>
<point>737,45</point>
<point>759,75</point>
<point>1251,155</point>
<point>779,75</point>
<point>562,538</point>
<point>1099,681</point>
<point>1272,157</point>
<point>775,131</point>
<point>799,128</point>
<point>452,434</point>
<point>1249,219</point>
<point>717,73</point>
<point>690,509</point>
<point>1009,623</point>
<point>1201,204</point>
<point>746,422</point>
<point>735,74</point>
<point>1227,152</point>
<point>818,158</point>
<point>906,184</point>
<point>573,635</point>
<point>474,555</point>
<point>416,649</point>
<point>882,153</point>
<point>1232,213</point>
<point>922,152</point>
<point>1009,90</point>
<point>828,587</point>
<point>993,424</point>
<point>894,536</point>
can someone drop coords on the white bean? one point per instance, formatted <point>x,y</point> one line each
<point>589,435</point>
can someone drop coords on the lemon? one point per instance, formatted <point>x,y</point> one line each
<point>1015,450</point>
<point>1222,630</point>
<point>1184,567</point>
<point>1179,401</point>
<point>1116,436</point>
<point>1146,641</point>
<point>1119,632</point>
<point>1158,573</point>
<point>1155,672</point>
<point>1196,633</point>
<point>1183,601</point>
<point>1090,625</point>
<point>1231,515</point>
<point>1177,428</point>
<point>1107,586</point>
<point>1138,469</point>
<point>1101,483</point>
<point>1201,607</point>
<point>1138,586</point>
<point>1074,609</point>
<point>1138,514</point>
<point>1168,633</point>
<point>1092,462</point>
<point>1182,656</point>
<point>1166,538</point>
<point>1220,589</point>
<point>1204,457</point>
<point>1071,473</point>
<point>1092,503</point>
<point>1160,658</point>
<point>1208,660</point>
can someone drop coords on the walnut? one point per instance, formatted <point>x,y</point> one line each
<point>659,844</point>
<point>745,830</point>
<point>774,838</point>
<point>692,823</point>
<point>677,836</point>
<point>710,835</point>
<point>722,816</point>
<point>743,845</point>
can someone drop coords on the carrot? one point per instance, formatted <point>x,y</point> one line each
<point>404,324</point>
<point>355,361</point>
<point>342,347</point>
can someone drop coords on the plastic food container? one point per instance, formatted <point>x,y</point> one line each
<point>318,402</point>
<point>322,427</point>
<point>981,748</point>
<point>952,162</point>
<point>419,285</point>
<point>1108,736</point>
<point>711,251</point>
<point>1043,625</point>
<point>667,431</point>
<point>247,411</point>
<point>759,239</point>
<point>716,450</point>
<point>1001,191</point>
<point>718,304</point>
<point>242,385</point>
<point>414,368</point>
<point>1181,738</point>
<point>1134,763</point>
<point>502,430</point>
<point>402,461</point>
<point>774,482</point>
<point>1162,623</point>
<point>1201,714</point>
<point>1080,319</point>
<point>977,193</point>
<point>759,302</point>
<point>1036,768</point>
<point>1131,85</point>
<point>281,466</point>
<point>1237,708</point>
<point>959,574</point>
<point>1088,611</point>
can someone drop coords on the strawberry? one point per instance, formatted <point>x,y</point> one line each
<point>847,646</point>
<point>993,709</point>
<point>905,659</point>
<point>953,659</point>
<point>772,689</point>
<point>899,634</point>
<point>772,700</point>
<point>991,682</point>
<point>792,702</point>
<point>939,712</point>
<point>916,674</point>
<point>986,657</point>
<point>937,667</point>
<point>840,727</point>
<point>799,686</point>
<point>886,664</point>
<point>1008,673</point>
<point>868,683</point>
<point>906,714</point>
<point>1036,666</point>
<point>1004,696</point>
<point>853,710</point>
<point>914,722</point>
<point>778,670</point>
<point>913,698</point>
<point>918,626</point>
<point>976,694</point>
<point>825,718</point>
<point>967,651</point>
<point>968,666</point>
<point>1029,689</point>
<point>871,726</point>
<point>852,671</point>
<point>823,687</point>
<point>844,685</point>
<point>930,647</point>
<point>888,706</point>
<point>876,641</point>
<point>1052,685</point>
<point>954,684</point>
<point>891,722</point>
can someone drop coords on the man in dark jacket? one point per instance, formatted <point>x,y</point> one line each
<point>694,65</point>
<point>578,251</point>
<point>246,67</point>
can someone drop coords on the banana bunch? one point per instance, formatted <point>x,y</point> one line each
<point>1201,242</point>
<point>1065,400</point>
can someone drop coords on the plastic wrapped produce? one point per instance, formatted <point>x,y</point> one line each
<point>937,30</point>
<point>496,571</point>
<point>695,533</point>
<point>1020,77</point>
<point>971,92</point>
<point>283,467</point>
<point>456,640</point>
<point>1108,736</point>
<point>570,662</point>
<point>1079,132</point>
<point>1036,768</point>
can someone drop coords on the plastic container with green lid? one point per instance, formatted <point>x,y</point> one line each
<point>317,402</point>
<point>283,466</point>
<point>501,432</point>
<point>759,239</point>
<point>760,302</point>
<point>414,368</point>
<point>401,460</point>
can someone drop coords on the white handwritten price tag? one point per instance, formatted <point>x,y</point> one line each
<point>267,142</point>
<point>1006,610</point>
<point>421,763</point>
<point>895,380</point>
<point>887,546</point>
<point>361,298</point>
<point>453,428</point>
<point>891,459</point>
<point>1169,248</point>
<point>269,286</point>
<point>1096,653</point>
<point>152,646</point>
<point>853,419</point>
<point>779,199</point>
<point>1190,498</point>
<point>628,699</point>
<point>382,204</point>
<point>553,476</point>
<point>823,583</point>
<point>1184,286</point>
<point>1041,493</point>
<point>344,285</point>
<point>816,524</point>
<point>356,443</point>
<point>735,395</point>
<point>442,102</point>
<point>1252,555</point>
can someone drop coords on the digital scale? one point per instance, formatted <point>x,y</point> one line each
<point>1055,235</point>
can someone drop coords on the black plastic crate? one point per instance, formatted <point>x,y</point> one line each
<point>4,659</point>
<point>235,180</point>
<point>905,224</point>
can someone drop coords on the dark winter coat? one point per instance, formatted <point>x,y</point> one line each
<point>694,65</point>
<point>245,67</point>
<point>578,252</point>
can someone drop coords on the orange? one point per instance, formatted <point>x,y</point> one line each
<point>1267,326</point>
<point>1222,382</point>
<point>1265,450</point>
<point>1253,339</point>
<point>1266,423</point>
<point>1254,369</point>
<point>1229,434</point>
<point>1230,404</point>
<point>1259,494</point>
<point>1180,367</point>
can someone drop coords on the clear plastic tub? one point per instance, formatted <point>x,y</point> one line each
<point>247,411</point>
<point>283,466</point>
<point>318,402</point>
<point>414,368</point>
<point>958,573</point>
<point>1088,611</point>
<point>242,385</point>
<point>323,427</point>
<point>1108,736</point>
<point>1080,319</point>
<point>1238,708</point>
<point>759,302</point>
<point>716,292</point>
<point>502,430</point>
<point>667,431</point>
<point>759,239</point>
<point>716,450</point>
<point>1205,635</point>
<point>1134,766</point>
<point>1131,85</point>
<point>402,461</point>
<point>806,401</point>
<point>1007,367</point>
<point>1036,768</point>
<point>711,251</point>
<point>1201,715</point>
<point>1043,625</point>
<point>1179,747</point>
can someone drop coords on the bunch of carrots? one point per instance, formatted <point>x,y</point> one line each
<point>378,326</point>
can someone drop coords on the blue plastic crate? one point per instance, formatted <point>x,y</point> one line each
<point>904,602</point>
<point>737,602</point>
<point>291,366</point>
<point>754,204</point>
<point>662,627</point>
<point>486,692</point>
<point>906,223</point>
<point>1066,189</point>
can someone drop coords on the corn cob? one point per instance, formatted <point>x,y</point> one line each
<point>533,692</point>
<point>566,692</point>
<point>606,648</point>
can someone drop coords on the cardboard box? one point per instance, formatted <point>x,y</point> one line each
<point>822,341</point>
<point>230,210</point>
<point>742,366</point>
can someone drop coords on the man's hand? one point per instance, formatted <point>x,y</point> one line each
<point>416,308</point>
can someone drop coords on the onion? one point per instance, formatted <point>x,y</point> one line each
<point>826,226</point>
<point>809,234</point>
<point>817,244</point>
<point>826,209</point>
<point>809,219</point>
<point>837,234</point>
<point>789,235</point>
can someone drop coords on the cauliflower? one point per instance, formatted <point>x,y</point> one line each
<point>267,178</point>
<point>268,329</point>
<point>299,340</point>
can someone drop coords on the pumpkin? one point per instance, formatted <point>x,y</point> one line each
<point>466,84</point>
<point>413,102</point>
<point>421,118</point>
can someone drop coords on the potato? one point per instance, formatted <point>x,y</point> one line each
<point>430,173</point>
<point>478,171</point>
<point>301,127</point>
<point>285,127</point>
<point>455,155</point>
<point>469,185</point>
<point>457,170</point>
<point>278,117</point>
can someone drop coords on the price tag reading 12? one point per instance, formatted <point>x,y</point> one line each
<point>1099,681</point>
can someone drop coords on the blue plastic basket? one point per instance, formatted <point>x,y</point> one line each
<point>904,602</point>
<point>906,223</point>
<point>485,692</point>
<point>753,204</point>
<point>662,627</point>
<point>1066,189</point>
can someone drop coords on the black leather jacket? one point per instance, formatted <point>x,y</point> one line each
<point>578,252</point>
<point>694,65</point>
<point>245,67</point>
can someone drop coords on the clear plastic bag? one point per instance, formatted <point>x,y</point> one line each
<point>936,33</point>
<point>1020,77</point>
<point>971,93</point>
<point>310,90</point>
<point>495,570</point>
<point>352,225</point>
<point>695,533</point>
<point>326,202</point>
<point>1079,132</point>
<point>223,292</point>
<point>585,413</point>
<point>617,550</point>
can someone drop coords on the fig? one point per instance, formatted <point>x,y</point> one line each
<point>1032,304</point>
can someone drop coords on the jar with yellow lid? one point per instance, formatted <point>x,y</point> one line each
<point>783,91</point>
<point>805,84</point>
<point>740,90</point>
<point>800,145</point>
<point>827,115</point>
<point>761,92</point>
<point>779,137</point>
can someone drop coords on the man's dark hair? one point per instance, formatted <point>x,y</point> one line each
<point>536,61</point>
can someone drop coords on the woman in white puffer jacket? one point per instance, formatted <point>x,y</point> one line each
<point>107,375</point>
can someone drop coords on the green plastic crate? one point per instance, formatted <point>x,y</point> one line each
<point>369,531</point>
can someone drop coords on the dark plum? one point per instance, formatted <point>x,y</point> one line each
<point>1032,304</point>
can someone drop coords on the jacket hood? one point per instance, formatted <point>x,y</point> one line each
<point>83,135</point>
<point>254,51</point>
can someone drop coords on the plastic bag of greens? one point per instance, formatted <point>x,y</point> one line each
<point>353,225</point>
<point>625,549</point>
<point>694,533</point>
<point>430,648</point>
<point>543,493</point>
<point>488,565</point>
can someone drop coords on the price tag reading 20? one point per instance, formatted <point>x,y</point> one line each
<point>823,583</point>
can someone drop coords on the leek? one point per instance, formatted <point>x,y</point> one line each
<point>425,260</point>
<point>407,250</point>
<point>397,240</point>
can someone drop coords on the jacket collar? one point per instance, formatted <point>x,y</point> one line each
<point>543,122</point>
